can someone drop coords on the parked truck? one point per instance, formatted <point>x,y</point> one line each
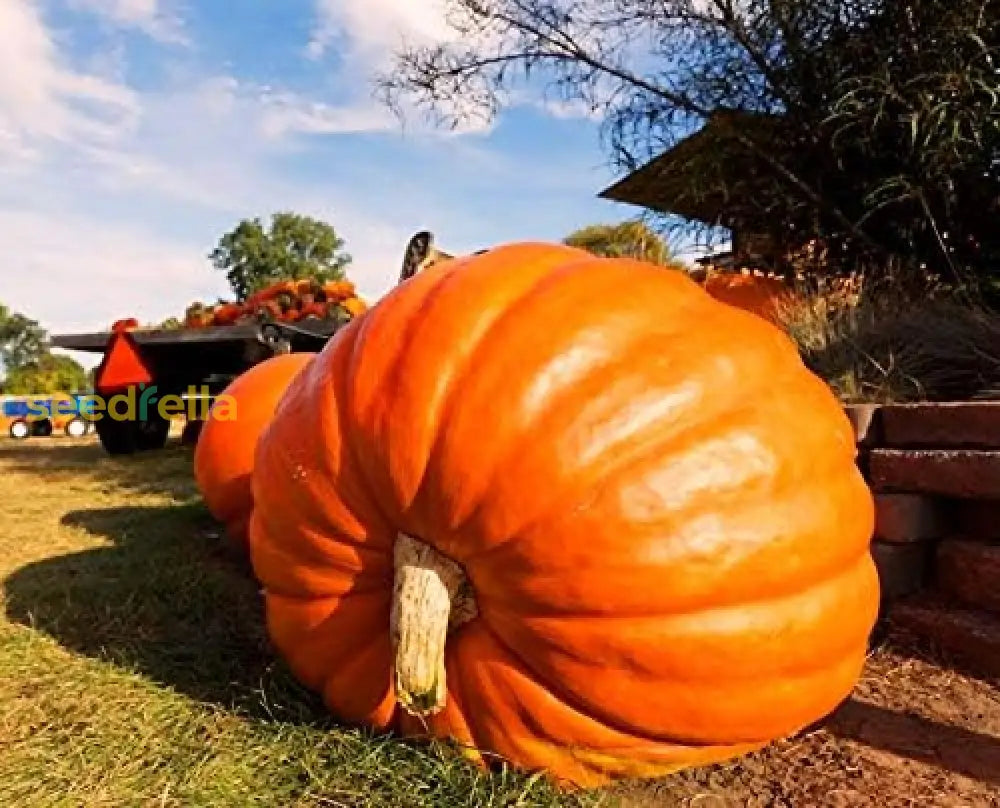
<point>22,417</point>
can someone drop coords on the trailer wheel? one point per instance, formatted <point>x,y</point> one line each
<point>192,431</point>
<point>75,428</point>
<point>129,437</point>
<point>152,433</point>
<point>117,437</point>
<point>19,430</point>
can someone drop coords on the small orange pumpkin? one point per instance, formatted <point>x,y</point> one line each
<point>337,291</point>
<point>223,458</point>
<point>595,540</point>
<point>227,313</point>
<point>267,310</point>
<point>355,306</point>
<point>197,315</point>
<point>307,286</point>
<point>314,310</point>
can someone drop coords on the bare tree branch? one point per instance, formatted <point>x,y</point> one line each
<point>866,92</point>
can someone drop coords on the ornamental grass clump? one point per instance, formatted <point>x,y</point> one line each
<point>887,345</point>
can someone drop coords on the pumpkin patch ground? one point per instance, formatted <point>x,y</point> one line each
<point>135,670</point>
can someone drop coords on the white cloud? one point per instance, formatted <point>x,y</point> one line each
<point>198,155</point>
<point>560,108</point>
<point>116,198</point>
<point>286,114</point>
<point>369,32</point>
<point>76,273</point>
<point>281,114</point>
<point>365,34</point>
<point>42,98</point>
<point>149,16</point>
<point>372,29</point>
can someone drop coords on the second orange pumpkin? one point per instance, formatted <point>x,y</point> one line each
<point>757,294</point>
<point>223,459</point>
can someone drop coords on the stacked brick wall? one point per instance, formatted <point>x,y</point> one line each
<point>934,470</point>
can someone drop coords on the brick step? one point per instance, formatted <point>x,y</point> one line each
<point>970,638</point>
<point>977,520</point>
<point>903,569</point>
<point>969,572</point>
<point>959,474</point>
<point>964,424</point>
<point>906,518</point>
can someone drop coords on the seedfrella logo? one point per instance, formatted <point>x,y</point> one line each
<point>138,404</point>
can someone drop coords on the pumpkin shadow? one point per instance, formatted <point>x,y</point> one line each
<point>960,750</point>
<point>169,600</point>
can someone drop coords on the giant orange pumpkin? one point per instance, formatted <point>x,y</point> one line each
<point>223,458</point>
<point>568,510</point>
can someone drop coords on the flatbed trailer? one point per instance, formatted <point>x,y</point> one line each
<point>196,363</point>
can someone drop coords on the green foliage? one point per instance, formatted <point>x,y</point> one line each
<point>48,373</point>
<point>293,246</point>
<point>22,340</point>
<point>626,240</point>
<point>28,364</point>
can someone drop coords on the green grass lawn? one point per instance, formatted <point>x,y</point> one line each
<point>134,669</point>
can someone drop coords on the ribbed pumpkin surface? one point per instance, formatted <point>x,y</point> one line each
<point>655,503</point>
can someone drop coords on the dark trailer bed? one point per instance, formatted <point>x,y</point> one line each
<point>190,362</point>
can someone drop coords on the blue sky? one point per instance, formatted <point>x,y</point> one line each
<point>133,133</point>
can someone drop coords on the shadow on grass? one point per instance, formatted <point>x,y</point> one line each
<point>166,471</point>
<point>168,600</point>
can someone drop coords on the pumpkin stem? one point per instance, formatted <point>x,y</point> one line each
<point>426,586</point>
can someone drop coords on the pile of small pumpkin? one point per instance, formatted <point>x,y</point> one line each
<point>596,541</point>
<point>286,301</point>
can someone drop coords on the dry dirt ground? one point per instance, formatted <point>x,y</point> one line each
<point>133,671</point>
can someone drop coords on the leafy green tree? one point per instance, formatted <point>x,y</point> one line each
<point>292,247</point>
<point>28,364</point>
<point>626,240</point>
<point>48,373</point>
<point>22,340</point>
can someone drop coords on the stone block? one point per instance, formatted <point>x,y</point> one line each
<point>970,638</point>
<point>961,474</point>
<point>969,572</point>
<point>902,518</point>
<point>866,422</point>
<point>942,425</point>
<point>903,569</point>
<point>976,519</point>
